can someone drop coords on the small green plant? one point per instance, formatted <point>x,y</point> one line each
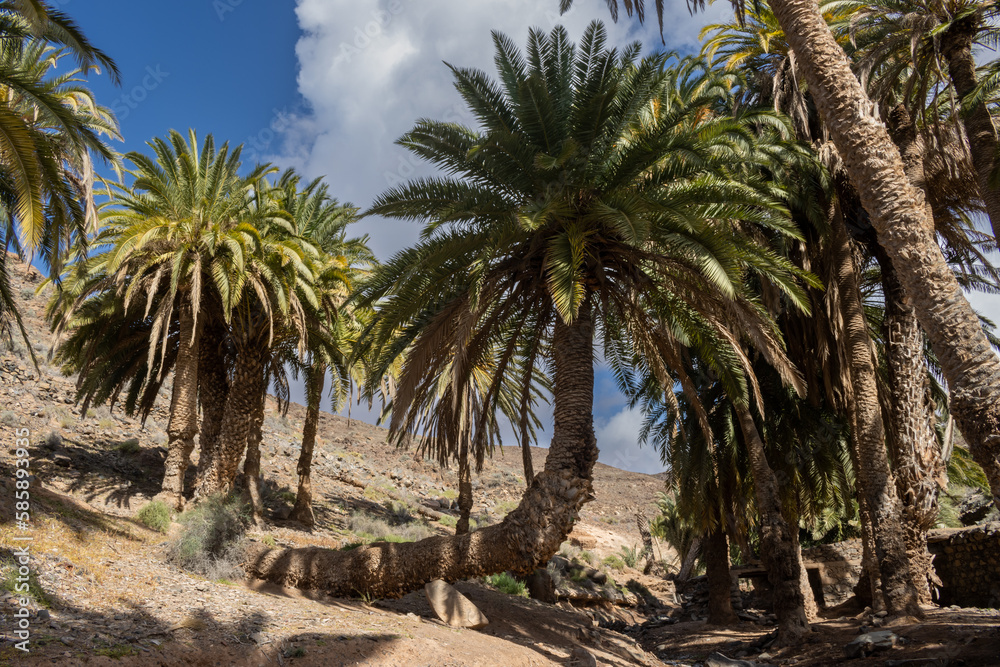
<point>586,557</point>
<point>11,581</point>
<point>67,423</point>
<point>155,515</point>
<point>450,494</point>
<point>107,424</point>
<point>630,555</point>
<point>130,446</point>
<point>269,541</point>
<point>8,417</point>
<point>296,652</point>
<point>614,562</point>
<point>505,583</point>
<point>287,496</point>
<point>351,546</point>
<point>116,651</point>
<point>448,521</point>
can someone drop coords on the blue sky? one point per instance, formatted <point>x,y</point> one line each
<point>326,86</point>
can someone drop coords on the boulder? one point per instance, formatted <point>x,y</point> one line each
<point>582,657</point>
<point>582,539</point>
<point>870,642</point>
<point>452,607</point>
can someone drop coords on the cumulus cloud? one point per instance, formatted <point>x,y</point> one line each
<point>369,69</point>
<point>618,440</point>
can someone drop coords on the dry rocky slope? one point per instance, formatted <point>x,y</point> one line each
<point>113,597</point>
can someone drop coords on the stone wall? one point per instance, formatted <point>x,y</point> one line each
<point>837,571</point>
<point>968,562</point>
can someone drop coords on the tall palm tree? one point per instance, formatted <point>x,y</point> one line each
<point>179,227</point>
<point>569,214</point>
<point>876,170</point>
<point>51,131</point>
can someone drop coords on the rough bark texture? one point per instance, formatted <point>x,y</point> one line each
<point>251,466</point>
<point>956,44</point>
<point>183,425</point>
<point>720,579</point>
<point>464,489</point>
<point>778,540</point>
<point>897,212</point>
<point>690,558</point>
<point>529,467</point>
<point>242,403</point>
<point>303,511</point>
<point>874,479</point>
<point>917,463</point>
<point>642,523</point>
<point>526,538</point>
<point>213,389</point>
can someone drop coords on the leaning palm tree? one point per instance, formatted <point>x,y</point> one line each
<point>179,229</point>
<point>876,170</point>
<point>585,207</point>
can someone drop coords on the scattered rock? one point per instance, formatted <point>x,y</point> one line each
<point>582,539</point>
<point>718,660</point>
<point>582,657</point>
<point>452,607</point>
<point>870,642</point>
<point>43,615</point>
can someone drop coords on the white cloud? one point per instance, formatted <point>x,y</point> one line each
<point>618,440</point>
<point>369,69</point>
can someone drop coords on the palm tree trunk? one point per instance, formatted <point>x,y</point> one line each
<point>778,540</point>
<point>689,559</point>
<point>251,466</point>
<point>242,403</point>
<point>303,511</point>
<point>897,212</point>
<point>183,424</point>
<point>956,44</point>
<point>213,388</point>
<point>527,537</point>
<point>874,479</point>
<point>720,579</point>
<point>529,468</point>
<point>464,488</point>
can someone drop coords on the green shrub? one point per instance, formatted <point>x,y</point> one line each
<point>614,562</point>
<point>130,446</point>
<point>371,528</point>
<point>8,417</point>
<point>9,582</point>
<point>505,583</point>
<point>212,540</point>
<point>53,440</point>
<point>107,424</point>
<point>269,541</point>
<point>448,520</point>
<point>586,557</point>
<point>351,546</point>
<point>630,555</point>
<point>287,496</point>
<point>155,515</point>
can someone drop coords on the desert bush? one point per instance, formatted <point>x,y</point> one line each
<point>614,562</point>
<point>505,583</point>
<point>9,582</point>
<point>374,529</point>
<point>400,512</point>
<point>67,422</point>
<point>53,440</point>
<point>630,555</point>
<point>8,417</point>
<point>155,515</point>
<point>448,521</point>
<point>27,293</point>
<point>212,540</point>
<point>130,446</point>
<point>107,424</point>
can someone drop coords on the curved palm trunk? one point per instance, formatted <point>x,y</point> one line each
<point>956,44</point>
<point>251,466</point>
<point>720,579</point>
<point>778,540</point>
<point>213,389</point>
<point>464,489</point>
<point>690,558</point>
<point>242,404</point>
<point>183,424</point>
<point>303,511</point>
<point>529,466</point>
<point>527,537</point>
<point>874,479</point>
<point>876,170</point>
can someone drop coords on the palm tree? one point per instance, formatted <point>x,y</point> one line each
<point>877,172</point>
<point>180,227</point>
<point>569,214</point>
<point>908,45</point>
<point>51,132</point>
